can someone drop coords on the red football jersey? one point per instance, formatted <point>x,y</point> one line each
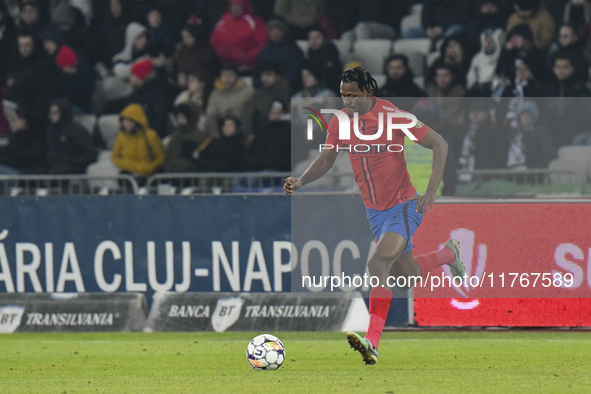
<point>379,166</point>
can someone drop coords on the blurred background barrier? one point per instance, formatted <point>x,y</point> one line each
<point>558,181</point>
<point>217,183</point>
<point>83,312</point>
<point>67,185</point>
<point>507,183</point>
<point>257,312</point>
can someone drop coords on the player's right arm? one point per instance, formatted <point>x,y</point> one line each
<point>319,167</point>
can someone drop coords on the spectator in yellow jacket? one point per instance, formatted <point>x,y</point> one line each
<point>138,149</point>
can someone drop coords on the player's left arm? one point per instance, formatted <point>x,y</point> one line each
<point>439,147</point>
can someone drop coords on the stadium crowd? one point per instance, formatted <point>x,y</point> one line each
<point>205,85</point>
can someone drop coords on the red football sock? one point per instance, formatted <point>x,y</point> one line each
<point>379,303</point>
<point>432,260</point>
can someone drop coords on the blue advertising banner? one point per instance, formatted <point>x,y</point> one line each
<point>175,244</point>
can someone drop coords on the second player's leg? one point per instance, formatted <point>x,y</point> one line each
<point>413,268</point>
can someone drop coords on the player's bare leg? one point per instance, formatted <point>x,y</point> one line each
<point>389,248</point>
<point>405,266</point>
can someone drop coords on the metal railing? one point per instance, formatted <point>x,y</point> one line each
<point>482,183</point>
<point>216,183</point>
<point>520,182</point>
<point>66,185</point>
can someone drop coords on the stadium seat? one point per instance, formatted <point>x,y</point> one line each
<point>417,50</point>
<point>412,45</point>
<point>343,164</point>
<point>85,7</point>
<point>578,167</point>
<point>380,79</point>
<point>344,170</point>
<point>109,128</point>
<point>577,153</point>
<point>326,181</point>
<point>420,81</point>
<point>416,9</point>
<point>165,141</point>
<point>303,44</point>
<point>104,167</point>
<point>343,47</point>
<point>416,62</point>
<point>373,53</point>
<point>409,22</point>
<point>87,121</point>
<point>432,57</point>
<point>9,109</point>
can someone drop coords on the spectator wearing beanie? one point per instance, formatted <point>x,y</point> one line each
<point>195,54</point>
<point>283,51</point>
<point>240,35</point>
<point>76,78</point>
<point>148,91</point>
<point>140,71</point>
<point>541,23</point>
<point>311,77</point>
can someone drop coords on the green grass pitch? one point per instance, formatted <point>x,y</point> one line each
<point>421,362</point>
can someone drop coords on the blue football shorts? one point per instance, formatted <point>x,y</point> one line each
<point>400,219</point>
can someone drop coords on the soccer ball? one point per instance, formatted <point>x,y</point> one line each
<point>265,352</point>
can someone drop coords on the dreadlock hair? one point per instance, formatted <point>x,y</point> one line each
<point>362,77</point>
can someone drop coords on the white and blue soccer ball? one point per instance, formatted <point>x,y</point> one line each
<point>265,352</point>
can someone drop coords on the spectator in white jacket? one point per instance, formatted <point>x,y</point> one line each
<point>484,63</point>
